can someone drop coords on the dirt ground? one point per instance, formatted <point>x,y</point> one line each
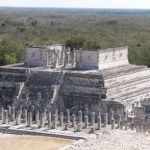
<point>19,142</point>
<point>104,140</point>
<point>115,140</point>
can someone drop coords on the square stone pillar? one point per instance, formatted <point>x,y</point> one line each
<point>5,117</point>
<point>1,113</point>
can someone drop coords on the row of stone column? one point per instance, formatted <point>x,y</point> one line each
<point>42,118</point>
<point>52,120</point>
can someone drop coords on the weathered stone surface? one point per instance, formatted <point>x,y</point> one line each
<point>37,117</point>
<point>5,117</point>
<point>80,117</point>
<point>42,120</point>
<point>30,117</point>
<point>13,114</point>
<point>105,119</point>
<point>54,126</point>
<point>1,113</point>
<point>68,116</point>
<point>92,118</point>
<point>99,122</point>
<point>113,124</point>
<point>61,118</point>
<point>86,122</point>
<point>115,84</point>
<point>49,119</point>
<point>18,119</point>
<point>73,120</point>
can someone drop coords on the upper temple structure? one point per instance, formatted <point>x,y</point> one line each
<point>102,59</point>
<point>54,77</point>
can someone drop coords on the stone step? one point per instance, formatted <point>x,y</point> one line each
<point>132,94</point>
<point>130,81</point>
<point>126,78</point>
<point>129,84</point>
<point>120,71</point>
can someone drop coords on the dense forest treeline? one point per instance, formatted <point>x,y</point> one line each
<point>90,29</point>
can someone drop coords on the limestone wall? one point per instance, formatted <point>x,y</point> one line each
<point>83,85</point>
<point>133,99</point>
<point>87,60</point>
<point>113,57</point>
<point>84,81</point>
<point>36,56</point>
<point>70,89</point>
<point>102,59</point>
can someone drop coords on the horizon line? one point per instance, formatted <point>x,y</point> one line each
<point>74,7</point>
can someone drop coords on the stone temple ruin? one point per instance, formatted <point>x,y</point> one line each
<point>56,81</point>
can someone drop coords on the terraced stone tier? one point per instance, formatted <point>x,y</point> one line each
<point>122,70</point>
<point>44,78</point>
<point>130,86</point>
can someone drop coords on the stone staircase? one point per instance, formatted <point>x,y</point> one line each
<point>122,70</point>
<point>128,84</point>
<point>131,85</point>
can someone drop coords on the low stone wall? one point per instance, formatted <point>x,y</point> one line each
<point>35,133</point>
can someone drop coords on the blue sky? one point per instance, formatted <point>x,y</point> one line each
<point>78,3</point>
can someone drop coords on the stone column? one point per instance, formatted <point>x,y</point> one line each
<point>20,111</point>
<point>61,119</point>
<point>125,117</point>
<point>133,109</point>
<point>9,110</point>
<point>18,118</point>
<point>65,58</point>
<point>30,119</point>
<point>13,114</point>
<point>92,130</point>
<point>49,120</point>
<point>63,55</point>
<point>113,124</point>
<point>47,99</point>
<point>126,125</point>
<point>68,115</point>
<point>73,120</point>
<point>80,117</point>
<point>5,117</point>
<point>99,112</point>
<point>45,115</point>
<point>25,116</point>
<point>54,121</point>
<point>112,115</point>
<point>132,125</point>
<point>106,119</point>
<point>42,120</point>
<point>37,117</point>
<point>1,113</point>
<point>68,54</point>
<point>56,112</point>
<point>99,122</point>
<point>79,127</point>
<point>119,121</point>
<point>67,126</point>
<point>86,121</point>
<point>56,59</point>
<point>86,111</point>
<point>74,57</point>
<point>92,118</point>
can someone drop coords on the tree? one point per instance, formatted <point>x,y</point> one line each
<point>8,59</point>
<point>75,42</point>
